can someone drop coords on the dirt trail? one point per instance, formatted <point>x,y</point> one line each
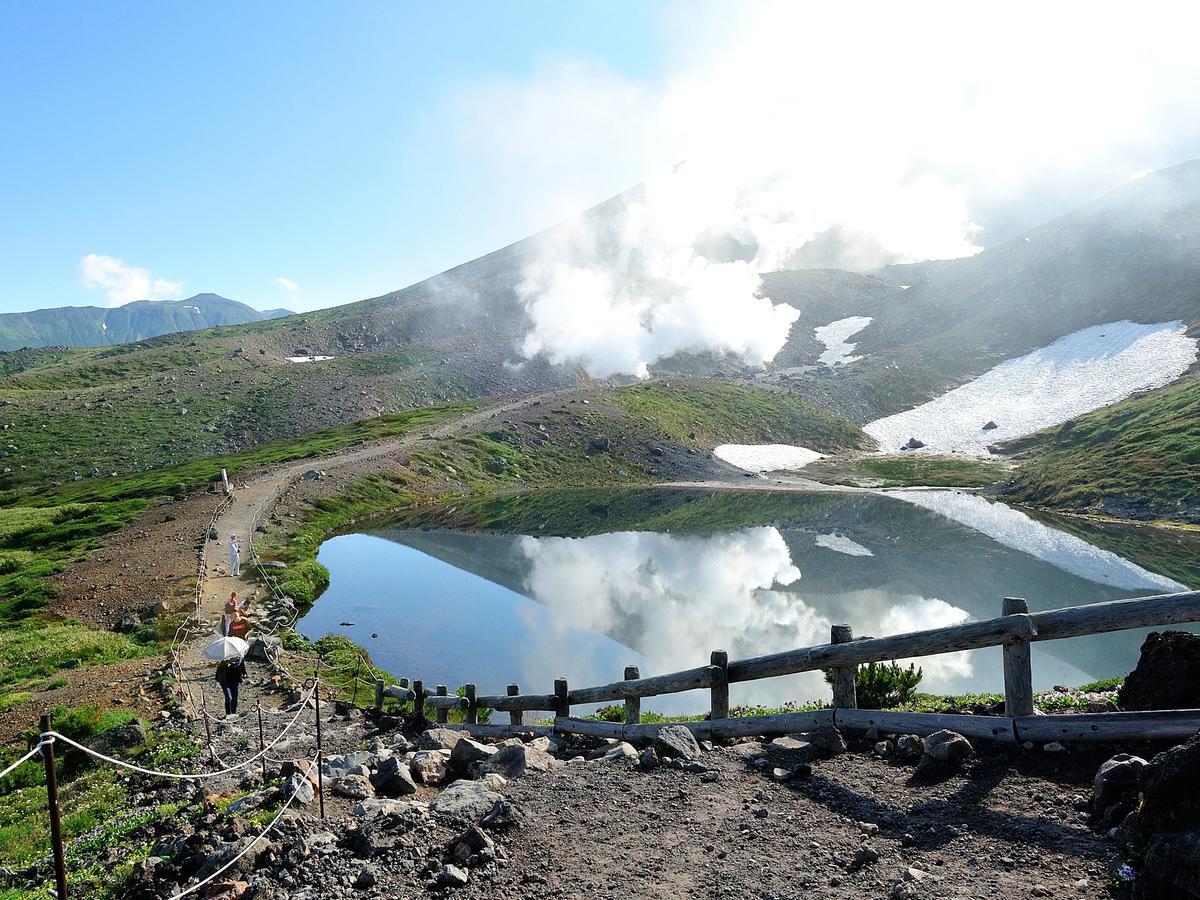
<point>253,501</point>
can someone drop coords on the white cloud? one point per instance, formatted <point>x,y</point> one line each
<point>123,283</point>
<point>287,284</point>
<point>891,127</point>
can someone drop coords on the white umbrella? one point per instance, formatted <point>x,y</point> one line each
<point>226,648</point>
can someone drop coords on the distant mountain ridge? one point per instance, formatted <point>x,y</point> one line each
<point>94,326</point>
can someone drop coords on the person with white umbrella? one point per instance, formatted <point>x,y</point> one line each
<point>231,668</point>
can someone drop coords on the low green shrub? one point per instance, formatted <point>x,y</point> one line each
<point>884,685</point>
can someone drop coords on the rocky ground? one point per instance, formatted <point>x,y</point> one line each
<point>440,814</point>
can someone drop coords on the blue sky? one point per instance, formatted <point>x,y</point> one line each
<point>224,145</point>
<point>308,154</point>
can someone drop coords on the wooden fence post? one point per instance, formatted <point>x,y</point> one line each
<point>562,697</point>
<point>56,841</point>
<point>719,692</point>
<point>472,706</point>
<point>378,695</point>
<point>1018,671</point>
<point>515,716</point>
<point>418,688</point>
<point>845,695</point>
<point>441,713</point>
<point>354,695</point>
<point>633,705</point>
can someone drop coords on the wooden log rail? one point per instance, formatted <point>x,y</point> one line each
<point>1014,630</point>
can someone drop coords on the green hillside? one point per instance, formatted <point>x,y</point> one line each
<point>1136,459</point>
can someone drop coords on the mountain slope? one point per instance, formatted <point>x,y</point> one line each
<point>1137,459</point>
<point>1133,254</point>
<point>93,326</point>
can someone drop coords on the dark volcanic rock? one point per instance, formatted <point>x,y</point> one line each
<point>1170,785</point>
<point>1167,674</point>
<point>1114,789</point>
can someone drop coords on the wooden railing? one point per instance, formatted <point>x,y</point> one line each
<point>1014,631</point>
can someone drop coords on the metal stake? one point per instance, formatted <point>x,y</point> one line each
<point>262,742</point>
<point>56,841</point>
<point>320,753</point>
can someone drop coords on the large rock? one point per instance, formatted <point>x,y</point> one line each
<point>429,766</point>
<point>1115,790</point>
<point>827,740</point>
<point>1170,868</point>
<point>464,801</point>
<point>440,739</point>
<point>515,761</point>
<point>1170,785</point>
<point>945,749</point>
<point>353,787</point>
<point>393,778</point>
<point>264,648</point>
<point>123,738</point>
<point>677,742</point>
<point>619,751</point>
<point>1167,674</point>
<point>467,753</point>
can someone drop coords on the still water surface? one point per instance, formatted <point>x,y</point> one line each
<point>453,606</point>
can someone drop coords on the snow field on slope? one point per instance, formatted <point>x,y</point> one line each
<point>834,336</point>
<point>1076,374</point>
<point>766,457</point>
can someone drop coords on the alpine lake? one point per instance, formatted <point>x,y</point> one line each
<point>527,587</point>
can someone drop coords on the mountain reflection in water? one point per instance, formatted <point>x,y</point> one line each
<point>458,606</point>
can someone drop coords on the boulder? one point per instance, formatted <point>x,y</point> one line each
<point>493,780</point>
<point>353,787</point>
<point>619,751</point>
<point>1171,867</point>
<point>913,444</point>
<point>1114,789</point>
<point>1170,786</point>
<point>677,742</point>
<point>989,425</point>
<point>945,749</point>
<point>129,624</point>
<point>264,648</point>
<point>440,739</point>
<point>452,877</point>
<point>1167,675</point>
<point>467,753</point>
<point>599,444</point>
<point>827,740</point>
<point>515,761</point>
<point>464,801</point>
<point>130,736</point>
<point>393,778</point>
<point>909,748</point>
<point>648,759</point>
<point>429,766</point>
<point>370,808</point>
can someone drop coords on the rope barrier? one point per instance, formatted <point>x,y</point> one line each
<point>24,759</point>
<point>56,736</point>
<point>250,846</point>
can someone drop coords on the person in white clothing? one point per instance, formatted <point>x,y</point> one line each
<point>235,557</point>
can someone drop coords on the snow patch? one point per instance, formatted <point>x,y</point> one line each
<point>766,457</point>
<point>1014,529</point>
<point>304,359</point>
<point>834,335</point>
<point>839,543</point>
<point>1076,374</point>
